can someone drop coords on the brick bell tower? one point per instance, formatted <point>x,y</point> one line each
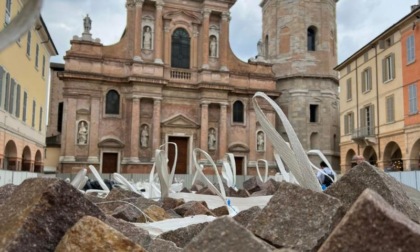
<point>299,38</point>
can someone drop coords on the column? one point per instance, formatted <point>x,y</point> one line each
<point>158,32</point>
<point>93,138</point>
<point>156,124</point>
<point>204,126</point>
<point>205,38</point>
<point>252,140</point>
<point>167,43</point>
<point>195,46</point>
<point>223,131</point>
<point>69,131</point>
<point>131,19</point>
<point>138,30</point>
<point>135,128</point>
<point>224,41</point>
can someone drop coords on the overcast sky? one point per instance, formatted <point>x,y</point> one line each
<point>358,22</point>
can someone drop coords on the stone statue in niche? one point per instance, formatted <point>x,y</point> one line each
<point>260,47</point>
<point>82,135</point>
<point>147,38</point>
<point>213,46</point>
<point>212,139</point>
<point>260,141</point>
<point>87,24</point>
<point>144,136</point>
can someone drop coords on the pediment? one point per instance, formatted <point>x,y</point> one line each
<point>180,121</point>
<point>110,142</point>
<point>238,147</point>
<point>83,111</point>
<point>183,15</point>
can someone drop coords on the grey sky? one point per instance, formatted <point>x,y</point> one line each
<point>358,22</point>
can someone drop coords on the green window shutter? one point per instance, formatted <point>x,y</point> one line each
<point>384,70</point>
<point>7,95</point>
<point>2,78</point>
<point>17,111</point>
<point>392,66</point>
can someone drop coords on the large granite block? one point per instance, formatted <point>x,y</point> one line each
<point>225,234</point>
<point>363,176</point>
<point>372,224</point>
<point>182,236</point>
<point>40,212</point>
<point>91,234</point>
<point>296,217</point>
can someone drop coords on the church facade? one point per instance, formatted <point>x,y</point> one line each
<point>173,78</point>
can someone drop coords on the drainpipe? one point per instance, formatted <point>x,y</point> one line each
<point>377,100</point>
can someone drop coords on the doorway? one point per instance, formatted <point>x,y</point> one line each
<point>182,162</point>
<point>109,162</point>
<point>239,162</point>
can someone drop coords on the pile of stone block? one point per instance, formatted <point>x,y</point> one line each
<point>366,210</point>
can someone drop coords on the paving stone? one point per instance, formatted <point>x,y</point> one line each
<point>372,224</point>
<point>40,212</point>
<point>363,176</point>
<point>225,234</point>
<point>91,234</point>
<point>296,217</point>
<point>160,245</point>
<point>246,216</point>
<point>182,236</point>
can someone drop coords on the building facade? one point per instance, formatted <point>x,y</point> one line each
<point>300,40</point>
<point>378,108</point>
<point>24,74</point>
<point>171,78</point>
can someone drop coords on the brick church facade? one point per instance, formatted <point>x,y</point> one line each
<point>173,78</point>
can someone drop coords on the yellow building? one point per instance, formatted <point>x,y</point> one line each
<point>372,112</point>
<point>24,74</point>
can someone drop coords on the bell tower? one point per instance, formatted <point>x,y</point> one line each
<point>299,39</point>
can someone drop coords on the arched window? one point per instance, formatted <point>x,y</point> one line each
<point>238,112</point>
<point>311,38</point>
<point>180,57</point>
<point>112,103</point>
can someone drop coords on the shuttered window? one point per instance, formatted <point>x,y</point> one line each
<point>390,109</point>
<point>43,66</point>
<point>6,93</point>
<point>349,123</point>
<point>2,81</point>
<point>8,13</point>
<point>17,110</point>
<point>28,44</point>
<point>33,113</point>
<point>367,80</point>
<point>411,52</point>
<point>25,104</point>
<point>12,96</point>
<point>349,94</point>
<point>36,56</point>
<point>40,119</point>
<point>412,98</point>
<point>388,68</point>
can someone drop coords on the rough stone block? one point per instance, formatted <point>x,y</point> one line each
<point>6,191</point>
<point>241,193</point>
<point>363,176</point>
<point>154,213</point>
<point>127,212</point>
<point>171,203</point>
<point>40,212</point>
<point>296,217</point>
<point>160,245</point>
<point>182,236</point>
<point>91,234</point>
<point>220,211</point>
<point>252,185</point>
<point>200,207</point>
<point>136,234</point>
<point>372,224</point>
<point>224,234</point>
<point>246,216</point>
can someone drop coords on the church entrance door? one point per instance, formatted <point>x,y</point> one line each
<point>182,162</point>
<point>239,162</point>
<point>109,162</point>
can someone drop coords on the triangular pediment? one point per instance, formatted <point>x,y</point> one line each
<point>180,121</point>
<point>182,14</point>
<point>238,147</point>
